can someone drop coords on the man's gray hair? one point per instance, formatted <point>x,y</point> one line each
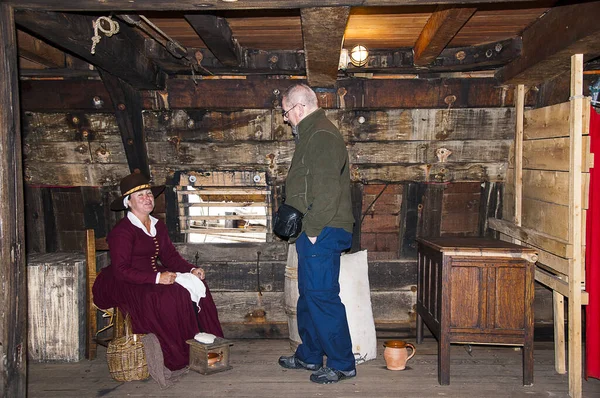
<point>303,94</point>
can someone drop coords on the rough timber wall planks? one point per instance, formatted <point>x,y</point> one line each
<point>385,145</point>
<point>552,179</point>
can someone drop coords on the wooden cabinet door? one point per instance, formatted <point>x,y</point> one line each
<point>488,295</point>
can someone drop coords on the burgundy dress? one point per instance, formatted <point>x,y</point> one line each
<point>165,310</point>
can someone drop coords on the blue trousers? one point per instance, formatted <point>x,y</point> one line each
<point>322,323</point>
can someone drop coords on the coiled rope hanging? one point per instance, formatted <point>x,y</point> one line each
<point>113,29</point>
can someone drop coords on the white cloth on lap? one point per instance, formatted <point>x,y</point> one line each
<point>193,284</point>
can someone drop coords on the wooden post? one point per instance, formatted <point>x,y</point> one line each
<point>91,319</point>
<point>520,116</point>
<point>13,296</point>
<point>575,236</point>
<point>558,301</point>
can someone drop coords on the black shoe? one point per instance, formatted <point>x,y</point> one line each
<point>292,362</point>
<point>328,375</point>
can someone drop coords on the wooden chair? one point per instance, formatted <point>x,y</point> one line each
<point>116,318</point>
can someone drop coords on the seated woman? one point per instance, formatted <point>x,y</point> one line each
<point>146,289</point>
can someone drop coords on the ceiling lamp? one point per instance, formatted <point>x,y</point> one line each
<point>359,55</point>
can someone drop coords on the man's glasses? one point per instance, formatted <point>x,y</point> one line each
<point>286,113</point>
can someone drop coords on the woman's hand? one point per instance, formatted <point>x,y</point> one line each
<point>199,272</point>
<point>167,278</point>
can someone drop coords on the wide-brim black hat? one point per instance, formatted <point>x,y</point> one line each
<point>132,183</point>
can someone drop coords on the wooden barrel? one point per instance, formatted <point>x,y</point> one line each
<point>291,295</point>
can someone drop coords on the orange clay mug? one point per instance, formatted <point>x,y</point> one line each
<point>396,354</point>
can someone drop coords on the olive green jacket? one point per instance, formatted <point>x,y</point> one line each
<point>319,176</point>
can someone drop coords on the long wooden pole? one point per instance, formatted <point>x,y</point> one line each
<point>13,294</point>
<point>575,236</point>
<point>520,121</point>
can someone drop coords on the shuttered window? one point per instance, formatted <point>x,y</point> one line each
<point>224,207</point>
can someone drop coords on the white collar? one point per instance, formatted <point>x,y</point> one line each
<point>136,221</point>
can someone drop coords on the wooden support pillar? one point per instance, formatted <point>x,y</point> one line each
<point>558,308</point>
<point>127,102</point>
<point>520,116</point>
<point>575,220</point>
<point>13,295</point>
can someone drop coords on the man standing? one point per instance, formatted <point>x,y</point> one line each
<point>318,184</point>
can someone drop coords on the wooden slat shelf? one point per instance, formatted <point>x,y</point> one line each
<point>226,217</point>
<point>222,204</point>
<point>224,191</point>
<point>216,231</point>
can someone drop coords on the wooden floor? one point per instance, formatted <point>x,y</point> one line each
<point>485,372</point>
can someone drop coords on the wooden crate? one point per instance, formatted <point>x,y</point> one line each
<point>57,307</point>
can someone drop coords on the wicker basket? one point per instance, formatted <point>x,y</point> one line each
<point>125,356</point>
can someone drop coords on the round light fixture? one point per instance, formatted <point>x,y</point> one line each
<point>359,55</point>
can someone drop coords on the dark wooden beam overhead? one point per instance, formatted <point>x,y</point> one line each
<point>260,62</point>
<point>264,93</point>
<point>323,31</point>
<point>216,34</point>
<point>257,93</point>
<point>441,27</point>
<point>13,299</point>
<point>121,55</point>
<point>549,43</point>
<point>253,62</point>
<point>64,96</point>
<point>37,51</point>
<point>456,59</point>
<point>127,102</point>
<point>196,5</point>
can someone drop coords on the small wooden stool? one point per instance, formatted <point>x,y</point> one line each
<point>209,358</point>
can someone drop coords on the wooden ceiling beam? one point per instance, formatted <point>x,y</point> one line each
<point>457,59</point>
<point>217,36</point>
<point>64,95</point>
<point>439,30</point>
<point>121,55</point>
<point>264,93</point>
<point>208,5</point>
<point>253,62</point>
<point>323,43</point>
<point>37,51</point>
<point>291,63</point>
<point>549,43</point>
<point>259,62</point>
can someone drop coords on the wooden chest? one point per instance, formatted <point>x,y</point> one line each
<point>57,306</point>
<point>476,291</point>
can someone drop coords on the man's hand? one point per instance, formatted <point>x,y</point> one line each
<point>312,239</point>
<point>199,272</point>
<point>167,278</point>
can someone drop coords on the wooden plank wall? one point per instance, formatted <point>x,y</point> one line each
<point>551,186</point>
<point>58,152</point>
<point>79,156</point>
<point>545,203</point>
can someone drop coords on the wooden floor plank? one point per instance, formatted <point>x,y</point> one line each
<point>488,371</point>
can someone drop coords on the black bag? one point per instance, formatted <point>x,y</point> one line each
<point>287,222</point>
